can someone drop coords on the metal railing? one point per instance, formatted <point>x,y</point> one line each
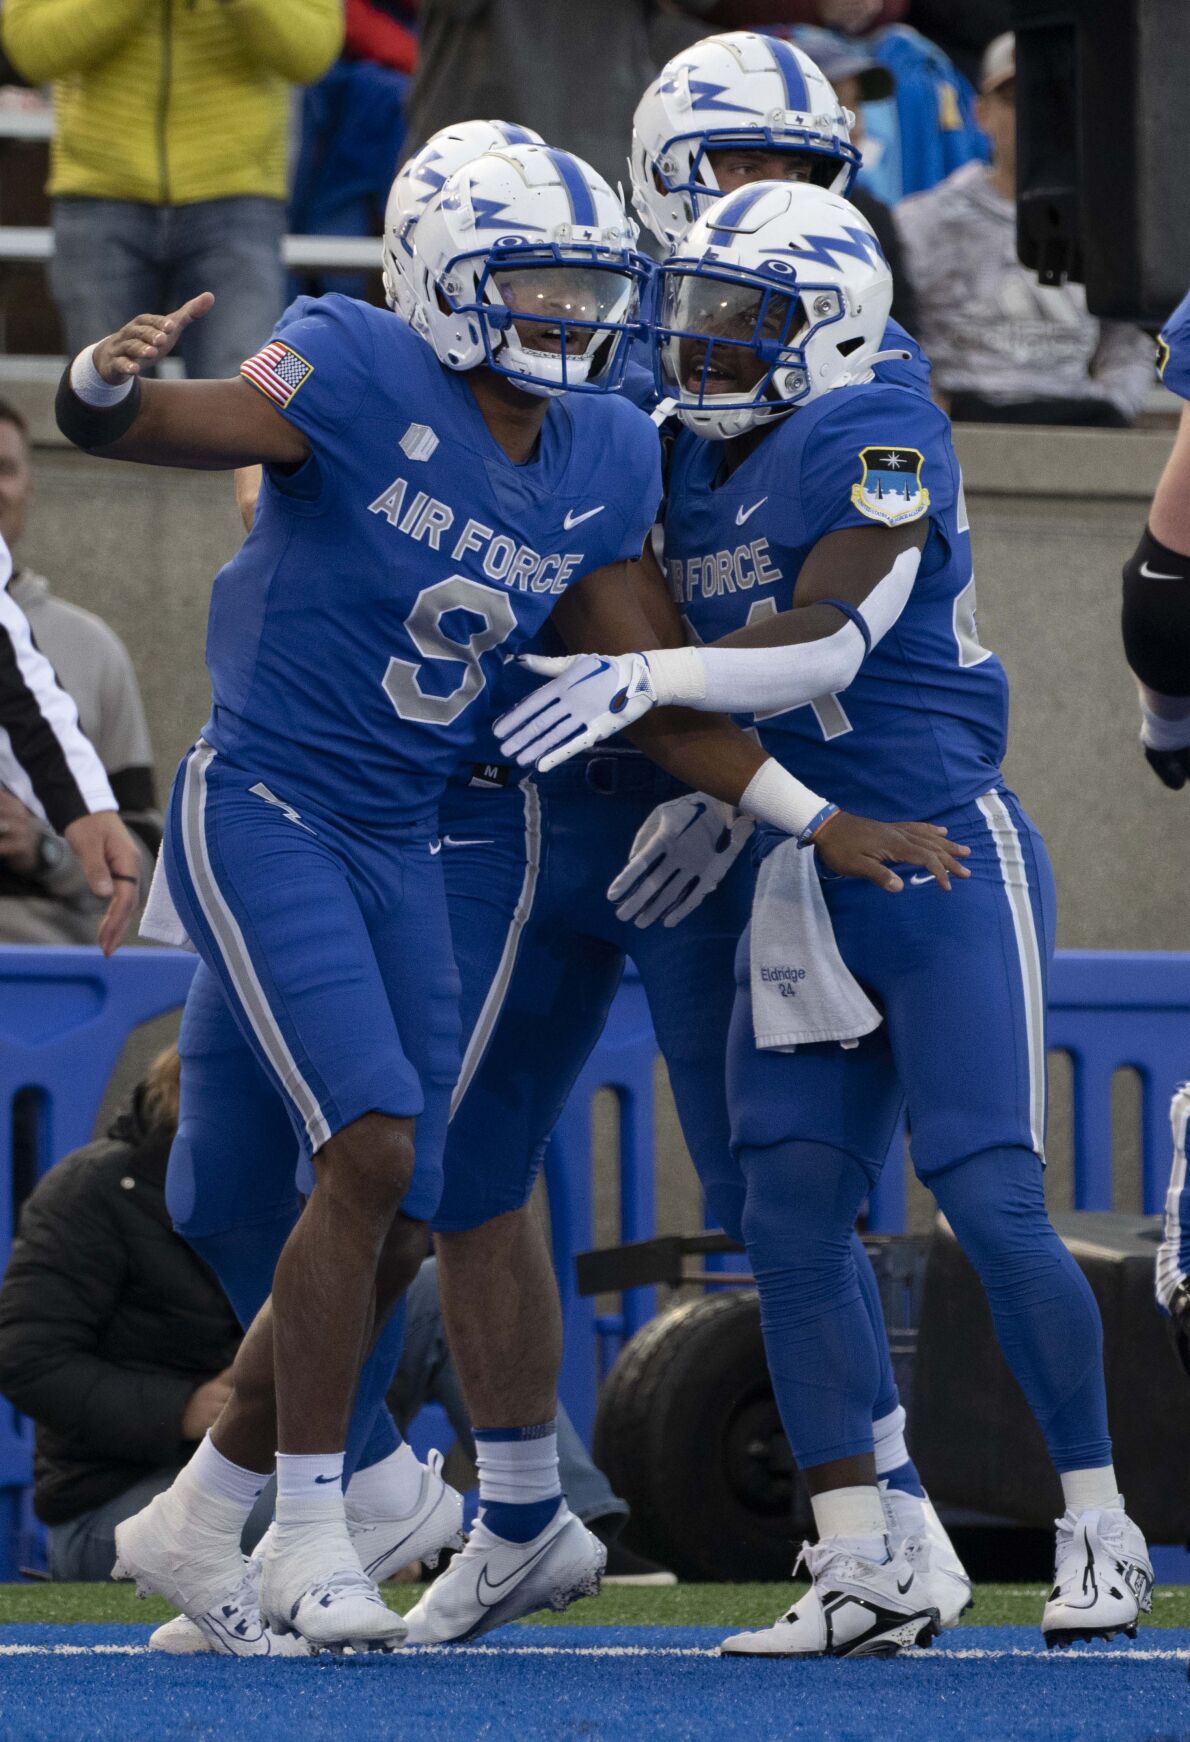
<point>27,245</point>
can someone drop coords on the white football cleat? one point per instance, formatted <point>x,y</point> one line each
<point>435,1523</point>
<point>232,1629</point>
<point>311,1583</point>
<point>494,1581</point>
<point>384,1547</point>
<point>1103,1578</point>
<point>853,1608</point>
<point>180,1637</point>
<point>185,1551</point>
<point>916,1530</point>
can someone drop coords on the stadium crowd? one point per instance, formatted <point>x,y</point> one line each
<point>157,1420</point>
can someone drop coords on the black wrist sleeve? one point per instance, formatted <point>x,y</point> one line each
<point>1156,616</point>
<point>94,426</point>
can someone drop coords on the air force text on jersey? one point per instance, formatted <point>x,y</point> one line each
<point>422,517</point>
<point>722,571</point>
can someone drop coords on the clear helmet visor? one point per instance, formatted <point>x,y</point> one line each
<point>565,310</point>
<point>720,337</point>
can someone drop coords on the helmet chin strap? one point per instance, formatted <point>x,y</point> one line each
<point>724,425</point>
<point>856,377</point>
<point>887,357</point>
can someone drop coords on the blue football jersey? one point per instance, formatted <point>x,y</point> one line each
<point>1173,350</point>
<point>354,636</point>
<point>922,728</point>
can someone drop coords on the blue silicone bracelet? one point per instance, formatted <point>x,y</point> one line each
<point>806,838</point>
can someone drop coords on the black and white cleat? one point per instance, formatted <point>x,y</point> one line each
<point>854,1608</point>
<point>1103,1579</point>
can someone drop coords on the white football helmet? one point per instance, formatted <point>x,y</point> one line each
<point>420,178</point>
<point>737,89</point>
<point>777,295</point>
<point>525,261</point>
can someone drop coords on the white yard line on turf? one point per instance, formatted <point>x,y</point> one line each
<point>1136,1655</point>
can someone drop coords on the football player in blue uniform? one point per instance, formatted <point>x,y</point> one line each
<point>854,648</point>
<point>348,638</point>
<point>302,851</point>
<point>540,951</point>
<point>1156,623</point>
<point>480,891</point>
<point>736,109</point>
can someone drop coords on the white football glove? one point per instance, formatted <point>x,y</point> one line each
<point>682,851</point>
<point>589,697</point>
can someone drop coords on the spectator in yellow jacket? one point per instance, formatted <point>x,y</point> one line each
<point>169,157</point>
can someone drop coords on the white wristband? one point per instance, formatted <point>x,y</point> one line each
<point>774,796</point>
<point>678,676</point>
<point>89,384</point>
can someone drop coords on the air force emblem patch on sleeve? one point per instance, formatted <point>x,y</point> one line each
<point>890,488</point>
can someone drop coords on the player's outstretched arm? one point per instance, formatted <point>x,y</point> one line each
<point>105,408</point>
<point>628,603</point>
<point>851,589</point>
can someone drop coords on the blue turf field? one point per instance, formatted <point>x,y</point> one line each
<point>598,1684</point>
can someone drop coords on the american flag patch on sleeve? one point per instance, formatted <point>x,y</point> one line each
<point>277,371</point>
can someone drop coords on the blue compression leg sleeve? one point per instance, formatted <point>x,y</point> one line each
<point>1045,1314</point>
<point>823,1351</point>
<point>372,1434</point>
<point>887,1398</point>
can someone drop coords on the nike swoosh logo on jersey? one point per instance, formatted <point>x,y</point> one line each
<point>458,841</point>
<point>572,519</point>
<point>742,513</point>
<point>435,847</point>
<point>1154,575</point>
<point>929,878</point>
<point>494,1585</point>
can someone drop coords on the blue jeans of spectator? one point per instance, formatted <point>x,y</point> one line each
<point>84,1550</point>
<point>114,259</point>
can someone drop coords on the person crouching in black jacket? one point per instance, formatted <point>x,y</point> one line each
<point>114,1336</point>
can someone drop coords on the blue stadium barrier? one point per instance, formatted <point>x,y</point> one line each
<point>1109,1012</point>
<point>66,1014</point>
<point>624,1063</point>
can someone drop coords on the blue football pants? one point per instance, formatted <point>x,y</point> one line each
<point>961,981</point>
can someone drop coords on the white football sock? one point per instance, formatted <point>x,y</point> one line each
<point>210,1476</point>
<point>519,1471</point>
<point>855,1518</point>
<point>1084,1489</point>
<point>309,1488</point>
<point>888,1435</point>
<point>388,1489</point>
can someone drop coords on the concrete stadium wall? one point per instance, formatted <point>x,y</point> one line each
<point>1053,513</point>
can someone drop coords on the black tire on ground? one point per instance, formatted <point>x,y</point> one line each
<point>688,1434</point>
